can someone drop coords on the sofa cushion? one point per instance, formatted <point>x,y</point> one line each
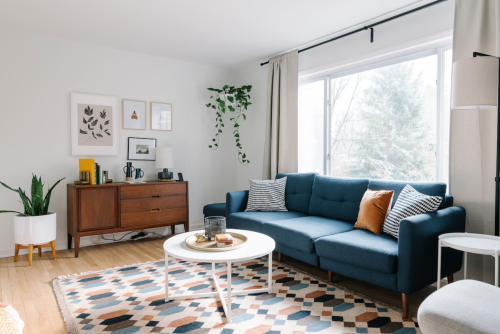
<point>253,221</point>
<point>300,233</point>
<point>426,188</point>
<point>298,190</point>
<point>215,209</point>
<point>337,198</point>
<point>361,248</point>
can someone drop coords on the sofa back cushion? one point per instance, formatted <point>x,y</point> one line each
<point>298,190</point>
<point>337,198</point>
<point>426,188</point>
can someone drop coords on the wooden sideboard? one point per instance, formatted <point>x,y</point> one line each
<point>119,207</point>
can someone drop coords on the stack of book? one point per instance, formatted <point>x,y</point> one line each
<point>97,175</point>
<point>224,240</point>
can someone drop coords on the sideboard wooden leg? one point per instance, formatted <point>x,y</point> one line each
<point>30,254</point>
<point>330,278</point>
<point>16,254</point>
<point>70,239</point>
<point>406,304</point>
<point>77,245</point>
<point>53,246</point>
<point>186,227</point>
<point>450,279</point>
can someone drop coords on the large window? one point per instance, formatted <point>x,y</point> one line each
<point>386,121</point>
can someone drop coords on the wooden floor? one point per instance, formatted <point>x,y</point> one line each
<point>29,289</point>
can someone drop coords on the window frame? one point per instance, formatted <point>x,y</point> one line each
<point>439,51</point>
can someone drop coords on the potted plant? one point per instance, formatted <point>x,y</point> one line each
<point>35,227</point>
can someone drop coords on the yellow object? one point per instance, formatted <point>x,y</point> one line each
<point>88,165</point>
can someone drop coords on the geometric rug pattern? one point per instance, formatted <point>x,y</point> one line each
<point>131,300</point>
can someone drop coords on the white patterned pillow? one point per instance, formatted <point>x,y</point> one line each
<point>267,195</point>
<point>409,203</point>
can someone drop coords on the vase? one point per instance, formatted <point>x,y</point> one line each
<point>214,225</point>
<point>35,230</point>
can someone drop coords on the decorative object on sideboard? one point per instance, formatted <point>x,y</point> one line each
<point>181,178</point>
<point>36,226</point>
<point>214,225</point>
<point>236,100</point>
<point>129,172</point>
<point>141,149</point>
<point>106,177</point>
<point>165,160</point>
<point>139,174</point>
<point>84,178</point>
<point>161,116</point>
<point>94,129</point>
<point>134,115</point>
<point>476,85</point>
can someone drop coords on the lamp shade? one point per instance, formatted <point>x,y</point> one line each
<point>164,157</point>
<point>475,83</point>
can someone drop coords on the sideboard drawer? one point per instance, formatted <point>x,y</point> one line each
<point>152,203</point>
<point>152,191</point>
<point>153,217</point>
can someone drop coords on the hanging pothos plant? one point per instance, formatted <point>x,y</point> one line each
<point>236,100</point>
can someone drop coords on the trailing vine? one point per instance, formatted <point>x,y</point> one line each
<point>236,100</point>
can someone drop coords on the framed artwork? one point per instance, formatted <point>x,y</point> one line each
<point>141,149</point>
<point>94,125</point>
<point>161,116</point>
<point>134,114</point>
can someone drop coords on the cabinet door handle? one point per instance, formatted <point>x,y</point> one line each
<point>155,210</point>
<point>156,196</point>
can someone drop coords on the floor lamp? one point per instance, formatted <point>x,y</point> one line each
<point>476,85</point>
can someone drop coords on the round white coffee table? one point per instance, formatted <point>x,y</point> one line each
<point>469,243</point>
<point>256,246</point>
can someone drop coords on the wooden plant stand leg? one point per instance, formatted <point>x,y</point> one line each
<point>30,255</point>
<point>16,254</point>
<point>53,246</point>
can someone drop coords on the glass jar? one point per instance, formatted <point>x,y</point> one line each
<point>214,225</point>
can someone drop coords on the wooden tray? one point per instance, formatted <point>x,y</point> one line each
<point>239,241</point>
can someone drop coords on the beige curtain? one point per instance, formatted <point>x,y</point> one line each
<point>473,133</point>
<point>281,148</point>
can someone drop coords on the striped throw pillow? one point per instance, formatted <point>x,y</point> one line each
<point>267,195</point>
<point>409,203</point>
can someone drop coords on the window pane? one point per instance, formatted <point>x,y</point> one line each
<point>311,127</point>
<point>383,122</point>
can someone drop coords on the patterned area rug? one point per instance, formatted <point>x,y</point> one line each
<point>131,300</point>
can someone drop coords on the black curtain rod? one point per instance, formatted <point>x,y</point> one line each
<point>370,26</point>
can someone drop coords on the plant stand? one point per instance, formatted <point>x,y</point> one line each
<point>51,244</point>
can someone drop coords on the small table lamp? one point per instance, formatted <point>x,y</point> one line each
<point>165,160</point>
<point>476,85</point>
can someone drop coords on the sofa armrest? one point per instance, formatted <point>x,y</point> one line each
<point>418,248</point>
<point>236,201</point>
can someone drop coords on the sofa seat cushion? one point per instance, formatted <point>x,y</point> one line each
<point>253,221</point>
<point>361,248</point>
<point>300,233</point>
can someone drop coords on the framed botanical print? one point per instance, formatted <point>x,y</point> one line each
<point>94,125</point>
<point>134,114</point>
<point>161,116</point>
<point>141,149</point>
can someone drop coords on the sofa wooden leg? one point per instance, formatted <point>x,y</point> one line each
<point>330,278</point>
<point>450,279</point>
<point>279,257</point>
<point>406,304</point>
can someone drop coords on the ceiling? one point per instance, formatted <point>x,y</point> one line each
<point>216,32</point>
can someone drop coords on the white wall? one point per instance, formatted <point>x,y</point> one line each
<point>37,75</point>
<point>416,26</point>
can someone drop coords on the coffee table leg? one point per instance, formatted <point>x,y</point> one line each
<point>496,268</point>
<point>229,302</point>
<point>270,272</point>
<point>166,277</point>
<point>213,268</point>
<point>465,265</point>
<point>439,265</point>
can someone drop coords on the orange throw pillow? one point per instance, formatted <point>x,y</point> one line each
<point>373,209</point>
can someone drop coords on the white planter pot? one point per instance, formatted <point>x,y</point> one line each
<point>35,230</point>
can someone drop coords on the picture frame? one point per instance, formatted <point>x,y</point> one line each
<point>143,149</point>
<point>94,124</point>
<point>133,114</point>
<point>161,116</point>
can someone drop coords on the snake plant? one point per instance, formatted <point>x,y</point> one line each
<point>37,205</point>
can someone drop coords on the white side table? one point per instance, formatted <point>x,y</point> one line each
<point>469,243</point>
<point>257,245</point>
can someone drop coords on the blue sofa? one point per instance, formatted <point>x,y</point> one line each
<point>319,229</point>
